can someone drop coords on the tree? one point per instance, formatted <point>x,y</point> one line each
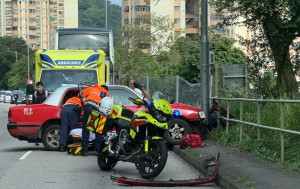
<point>17,76</point>
<point>278,22</point>
<point>11,48</point>
<point>188,51</point>
<point>135,56</point>
<point>92,14</point>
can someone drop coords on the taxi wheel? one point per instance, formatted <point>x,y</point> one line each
<point>178,128</point>
<point>51,137</point>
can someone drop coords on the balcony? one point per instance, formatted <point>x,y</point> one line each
<point>191,15</point>
<point>31,15</point>
<point>141,2</point>
<point>31,6</point>
<point>191,30</point>
<point>177,3</point>
<point>16,23</point>
<point>177,14</point>
<point>177,27</point>
<point>15,32</point>
<point>32,32</point>
<point>32,24</point>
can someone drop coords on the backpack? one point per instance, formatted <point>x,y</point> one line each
<point>191,140</point>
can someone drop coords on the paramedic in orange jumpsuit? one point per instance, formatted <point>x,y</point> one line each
<point>93,96</point>
<point>69,116</point>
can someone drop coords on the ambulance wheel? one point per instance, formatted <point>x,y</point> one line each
<point>51,137</point>
<point>178,128</point>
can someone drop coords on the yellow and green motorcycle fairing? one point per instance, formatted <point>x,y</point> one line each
<point>163,106</point>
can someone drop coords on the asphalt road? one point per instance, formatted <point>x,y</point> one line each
<point>25,165</point>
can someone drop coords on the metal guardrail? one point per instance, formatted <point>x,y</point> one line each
<point>282,130</point>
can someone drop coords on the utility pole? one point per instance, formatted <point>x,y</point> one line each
<point>204,61</point>
<point>105,14</point>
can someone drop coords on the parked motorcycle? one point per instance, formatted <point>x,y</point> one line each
<point>137,137</point>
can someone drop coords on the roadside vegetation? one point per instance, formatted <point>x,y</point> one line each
<point>268,146</point>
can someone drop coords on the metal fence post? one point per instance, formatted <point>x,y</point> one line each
<point>227,116</point>
<point>241,125</point>
<point>177,88</point>
<point>258,120</point>
<point>219,113</point>
<point>147,83</point>
<point>281,132</point>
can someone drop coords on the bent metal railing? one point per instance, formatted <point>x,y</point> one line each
<point>282,130</point>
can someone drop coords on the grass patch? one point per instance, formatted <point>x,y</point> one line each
<point>245,182</point>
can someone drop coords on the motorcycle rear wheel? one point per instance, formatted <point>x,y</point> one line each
<point>105,162</point>
<point>152,163</point>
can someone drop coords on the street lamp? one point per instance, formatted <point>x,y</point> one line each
<point>28,59</point>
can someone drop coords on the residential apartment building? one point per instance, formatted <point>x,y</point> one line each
<point>36,20</point>
<point>185,14</point>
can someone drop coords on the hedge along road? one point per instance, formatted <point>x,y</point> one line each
<point>25,165</point>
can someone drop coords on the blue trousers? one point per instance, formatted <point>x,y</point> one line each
<point>86,133</point>
<point>68,117</point>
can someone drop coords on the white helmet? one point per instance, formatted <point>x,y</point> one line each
<point>106,106</point>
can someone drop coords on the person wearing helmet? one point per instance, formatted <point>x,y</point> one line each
<point>93,96</point>
<point>69,116</point>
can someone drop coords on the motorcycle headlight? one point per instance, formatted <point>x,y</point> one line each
<point>160,117</point>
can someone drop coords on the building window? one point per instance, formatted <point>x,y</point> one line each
<point>176,34</point>
<point>32,2</point>
<point>61,21</point>
<point>177,21</point>
<point>126,21</point>
<point>60,12</point>
<point>126,9</point>
<point>177,8</point>
<point>142,8</point>
<point>220,31</point>
<point>61,4</point>
<point>52,2</point>
<point>217,17</point>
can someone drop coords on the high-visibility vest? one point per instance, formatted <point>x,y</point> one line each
<point>74,100</point>
<point>95,93</point>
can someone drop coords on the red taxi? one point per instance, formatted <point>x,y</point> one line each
<point>41,122</point>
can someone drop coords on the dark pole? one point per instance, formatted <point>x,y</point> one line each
<point>204,61</point>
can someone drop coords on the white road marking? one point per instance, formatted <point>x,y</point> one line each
<point>25,155</point>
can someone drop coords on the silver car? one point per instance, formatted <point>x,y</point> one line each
<point>7,97</point>
<point>2,95</point>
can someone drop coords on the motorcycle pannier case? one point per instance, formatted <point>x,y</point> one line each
<point>99,123</point>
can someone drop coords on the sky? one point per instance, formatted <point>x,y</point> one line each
<point>118,2</point>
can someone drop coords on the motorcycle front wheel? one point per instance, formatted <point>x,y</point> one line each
<point>152,163</point>
<point>105,162</point>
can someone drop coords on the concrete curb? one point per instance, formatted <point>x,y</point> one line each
<point>223,180</point>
